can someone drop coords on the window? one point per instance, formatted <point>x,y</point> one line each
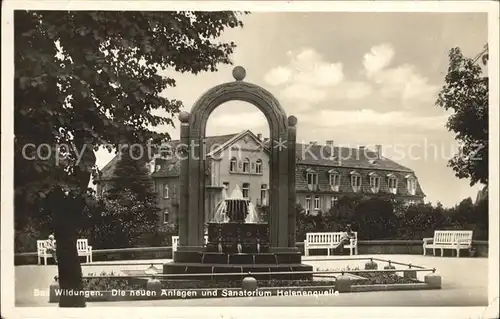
<point>412,185</point>
<point>232,164</point>
<point>317,204</point>
<point>334,201</point>
<point>101,191</point>
<point>165,191</point>
<point>355,181</point>
<point>246,165</point>
<point>263,195</point>
<point>258,166</point>
<point>334,180</point>
<point>308,204</point>
<point>246,190</point>
<point>393,184</point>
<point>165,217</point>
<point>374,182</point>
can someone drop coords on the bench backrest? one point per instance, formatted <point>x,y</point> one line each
<point>41,244</point>
<point>82,244</point>
<point>320,238</point>
<point>175,242</point>
<point>452,236</point>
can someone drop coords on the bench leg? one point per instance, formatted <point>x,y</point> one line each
<point>328,251</point>
<point>45,259</point>
<point>39,260</point>
<point>306,252</point>
<point>442,252</point>
<point>434,251</point>
<point>458,252</point>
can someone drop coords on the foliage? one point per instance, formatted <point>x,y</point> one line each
<point>87,79</point>
<point>130,203</point>
<point>466,93</point>
<point>383,218</point>
<point>375,218</point>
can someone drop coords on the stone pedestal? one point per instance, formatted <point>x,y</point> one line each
<point>433,280</point>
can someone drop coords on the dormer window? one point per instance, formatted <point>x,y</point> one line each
<point>312,179</point>
<point>392,181</point>
<point>355,181</point>
<point>411,184</point>
<point>232,164</point>
<point>165,151</point>
<point>334,178</point>
<point>258,166</point>
<point>374,182</point>
<point>246,166</point>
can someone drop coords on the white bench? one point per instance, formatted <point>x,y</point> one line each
<point>448,239</point>
<point>175,242</point>
<point>329,241</point>
<point>82,247</point>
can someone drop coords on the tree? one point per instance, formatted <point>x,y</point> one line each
<point>465,92</point>
<point>374,218</point>
<point>85,79</point>
<point>130,204</point>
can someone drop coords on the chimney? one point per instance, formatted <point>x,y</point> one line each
<point>329,142</point>
<point>313,143</point>
<point>259,136</point>
<point>378,147</point>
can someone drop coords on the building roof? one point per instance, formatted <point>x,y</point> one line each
<point>168,167</point>
<point>307,154</point>
<point>326,155</point>
<point>345,179</point>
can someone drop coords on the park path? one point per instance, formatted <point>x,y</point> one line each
<point>465,283</point>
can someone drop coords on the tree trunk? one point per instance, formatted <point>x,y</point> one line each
<point>65,211</point>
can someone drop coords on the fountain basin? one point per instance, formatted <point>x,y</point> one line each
<point>277,258</point>
<point>197,271</point>
<point>253,237</point>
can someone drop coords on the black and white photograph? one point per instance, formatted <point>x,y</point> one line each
<point>250,159</point>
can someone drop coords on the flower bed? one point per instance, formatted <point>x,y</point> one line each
<point>101,283</point>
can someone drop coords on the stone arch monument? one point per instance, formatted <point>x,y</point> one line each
<point>282,164</point>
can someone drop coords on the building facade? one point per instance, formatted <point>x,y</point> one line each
<point>323,174</point>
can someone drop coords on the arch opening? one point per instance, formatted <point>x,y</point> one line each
<point>281,185</point>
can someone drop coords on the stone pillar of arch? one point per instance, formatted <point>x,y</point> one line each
<point>282,163</point>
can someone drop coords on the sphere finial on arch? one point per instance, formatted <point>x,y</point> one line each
<point>292,120</point>
<point>184,117</point>
<point>239,73</point>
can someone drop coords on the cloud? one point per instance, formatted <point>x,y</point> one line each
<point>303,93</point>
<point>403,81</point>
<point>352,90</point>
<point>237,121</point>
<point>307,76</point>
<point>277,76</point>
<point>377,59</point>
<point>368,117</point>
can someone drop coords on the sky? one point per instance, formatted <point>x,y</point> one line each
<point>354,78</point>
